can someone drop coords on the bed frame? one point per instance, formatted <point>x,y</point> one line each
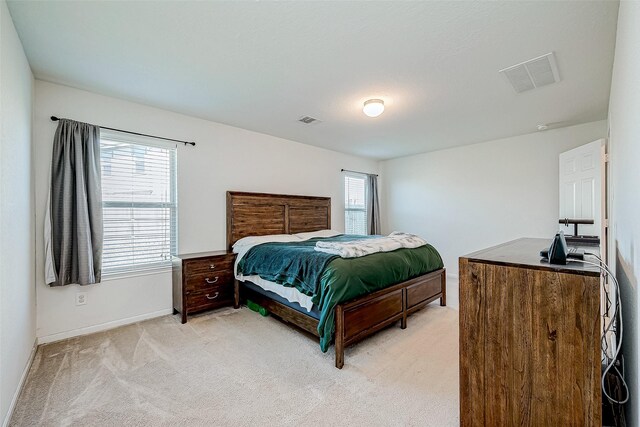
<point>255,214</point>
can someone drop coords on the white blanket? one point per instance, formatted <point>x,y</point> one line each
<point>358,248</point>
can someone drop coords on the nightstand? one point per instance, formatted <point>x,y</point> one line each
<point>203,281</point>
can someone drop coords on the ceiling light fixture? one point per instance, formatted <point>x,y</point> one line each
<point>373,107</point>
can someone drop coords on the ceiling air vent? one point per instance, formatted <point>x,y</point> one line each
<point>536,72</point>
<point>307,120</point>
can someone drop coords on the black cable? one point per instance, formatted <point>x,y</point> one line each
<point>617,316</point>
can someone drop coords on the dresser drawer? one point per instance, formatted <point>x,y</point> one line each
<point>217,296</point>
<point>208,265</point>
<point>203,282</point>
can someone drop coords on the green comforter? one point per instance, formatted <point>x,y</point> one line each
<point>331,280</point>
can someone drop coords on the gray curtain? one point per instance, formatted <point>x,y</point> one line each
<point>75,228</point>
<point>373,206</point>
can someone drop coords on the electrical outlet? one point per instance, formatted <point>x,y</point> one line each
<point>81,298</point>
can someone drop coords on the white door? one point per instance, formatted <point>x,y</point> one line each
<point>581,187</point>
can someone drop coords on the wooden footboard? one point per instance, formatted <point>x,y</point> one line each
<point>366,315</point>
<point>361,317</point>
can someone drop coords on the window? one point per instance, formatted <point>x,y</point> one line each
<point>355,204</point>
<point>139,203</point>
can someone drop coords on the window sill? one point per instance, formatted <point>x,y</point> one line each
<point>129,274</point>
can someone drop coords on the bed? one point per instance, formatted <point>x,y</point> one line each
<point>260,214</point>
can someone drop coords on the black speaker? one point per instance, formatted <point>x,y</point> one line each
<point>558,250</point>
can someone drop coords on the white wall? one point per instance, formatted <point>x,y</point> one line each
<point>17,291</point>
<point>467,198</point>
<point>225,158</point>
<point>624,124</point>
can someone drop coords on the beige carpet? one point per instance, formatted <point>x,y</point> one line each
<point>234,367</point>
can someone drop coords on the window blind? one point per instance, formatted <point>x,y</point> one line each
<point>139,203</point>
<point>355,213</point>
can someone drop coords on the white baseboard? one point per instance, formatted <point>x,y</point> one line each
<point>23,378</point>
<point>102,327</point>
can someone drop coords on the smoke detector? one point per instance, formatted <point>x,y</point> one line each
<point>307,120</point>
<point>534,73</point>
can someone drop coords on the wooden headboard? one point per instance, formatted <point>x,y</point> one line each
<point>256,214</point>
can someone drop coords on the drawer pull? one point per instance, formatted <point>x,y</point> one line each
<point>214,296</point>
<point>212,266</point>
<point>211,282</point>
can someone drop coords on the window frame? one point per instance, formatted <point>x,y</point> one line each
<point>364,177</point>
<point>155,267</point>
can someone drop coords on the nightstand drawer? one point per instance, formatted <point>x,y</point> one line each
<point>208,265</point>
<point>203,282</point>
<point>217,296</point>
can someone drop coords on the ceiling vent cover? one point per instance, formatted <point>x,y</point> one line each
<point>536,72</point>
<point>307,120</point>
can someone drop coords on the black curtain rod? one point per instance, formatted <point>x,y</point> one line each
<point>55,119</point>
<point>361,173</point>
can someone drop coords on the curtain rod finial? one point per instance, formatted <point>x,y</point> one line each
<point>54,119</point>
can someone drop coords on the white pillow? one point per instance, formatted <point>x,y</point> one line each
<point>257,240</point>
<point>319,233</point>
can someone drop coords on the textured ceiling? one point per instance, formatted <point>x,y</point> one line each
<point>262,65</point>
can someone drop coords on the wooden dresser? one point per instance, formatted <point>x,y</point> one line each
<point>529,339</point>
<point>203,281</point>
